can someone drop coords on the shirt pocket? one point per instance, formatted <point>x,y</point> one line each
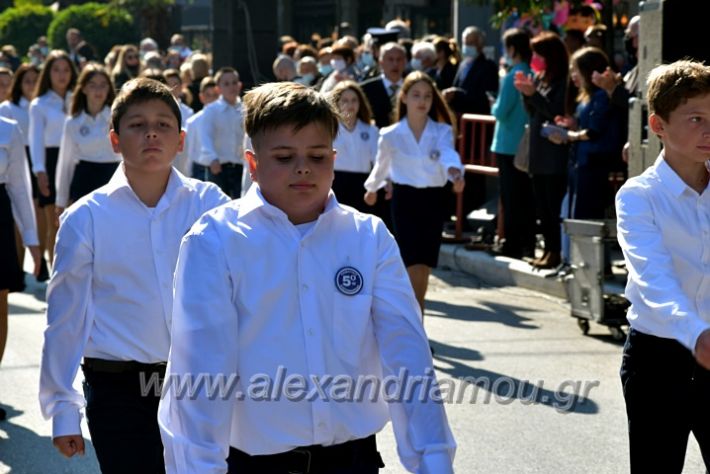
<point>351,325</point>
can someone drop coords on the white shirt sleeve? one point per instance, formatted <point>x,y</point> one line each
<point>424,440</point>
<point>380,172</point>
<point>36,137</point>
<point>206,129</point>
<point>657,291</point>
<point>66,164</point>
<point>372,143</point>
<point>69,321</point>
<point>449,156</point>
<point>19,189</point>
<point>196,429</point>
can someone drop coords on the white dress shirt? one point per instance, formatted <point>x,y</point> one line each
<point>47,115</point>
<point>85,138</point>
<point>110,295</point>
<point>422,164</point>
<point>388,85</point>
<point>192,147</point>
<point>254,296</point>
<point>20,113</point>
<point>664,232</point>
<point>356,149</point>
<point>15,175</point>
<point>222,133</point>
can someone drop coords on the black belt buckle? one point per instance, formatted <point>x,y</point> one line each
<point>307,461</point>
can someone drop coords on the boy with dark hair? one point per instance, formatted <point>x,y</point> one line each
<point>664,231</point>
<point>288,281</point>
<point>110,296</point>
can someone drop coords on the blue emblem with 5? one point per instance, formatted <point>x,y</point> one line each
<point>348,281</point>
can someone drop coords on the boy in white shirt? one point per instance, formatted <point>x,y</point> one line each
<point>110,296</point>
<point>286,280</point>
<point>222,134</point>
<point>664,231</point>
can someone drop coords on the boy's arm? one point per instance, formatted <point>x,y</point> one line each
<point>424,441</point>
<point>654,287</point>
<point>194,426</point>
<point>206,129</point>
<point>68,326</point>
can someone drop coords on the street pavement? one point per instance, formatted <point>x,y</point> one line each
<point>522,348</point>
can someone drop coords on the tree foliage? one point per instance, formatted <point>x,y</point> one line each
<point>21,26</point>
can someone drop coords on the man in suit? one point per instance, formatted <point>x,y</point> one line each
<point>80,51</point>
<point>381,91</point>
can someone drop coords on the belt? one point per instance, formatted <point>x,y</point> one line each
<point>312,459</point>
<point>230,165</point>
<point>122,366</point>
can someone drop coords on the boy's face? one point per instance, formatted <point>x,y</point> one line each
<point>294,169</point>
<point>148,137</point>
<point>229,86</point>
<point>209,95</point>
<point>686,133</point>
<point>175,85</point>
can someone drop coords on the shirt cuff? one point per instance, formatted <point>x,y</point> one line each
<point>438,462</point>
<point>30,238</point>
<point>66,422</point>
<point>38,169</point>
<point>696,329</point>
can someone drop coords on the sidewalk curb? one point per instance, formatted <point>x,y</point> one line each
<point>499,271</point>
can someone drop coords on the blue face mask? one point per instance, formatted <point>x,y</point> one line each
<point>507,60</point>
<point>306,79</point>
<point>469,51</point>
<point>367,59</point>
<point>416,64</point>
<point>325,69</point>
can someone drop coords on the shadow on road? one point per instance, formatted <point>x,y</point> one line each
<point>26,452</point>
<point>484,311</point>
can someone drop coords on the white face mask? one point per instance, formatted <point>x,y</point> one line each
<point>338,64</point>
<point>367,59</point>
<point>416,64</point>
<point>306,79</point>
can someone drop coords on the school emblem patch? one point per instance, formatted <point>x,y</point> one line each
<point>365,136</point>
<point>84,130</point>
<point>434,155</point>
<point>348,281</point>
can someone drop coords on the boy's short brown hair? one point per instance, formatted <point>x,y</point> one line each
<point>277,104</point>
<point>671,85</point>
<point>225,70</point>
<point>137,91</point>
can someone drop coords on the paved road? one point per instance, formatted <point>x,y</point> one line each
<point>501,337</point>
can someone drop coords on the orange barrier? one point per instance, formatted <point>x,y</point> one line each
<point>474,130</point>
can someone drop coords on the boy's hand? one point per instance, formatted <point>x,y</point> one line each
<point>370,198</point>
<point>43,183</point>
<point>702,349</point>
<point>69,445</point>
<point>215,167</point>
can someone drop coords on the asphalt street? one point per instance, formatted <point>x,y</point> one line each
<point>548,399</point>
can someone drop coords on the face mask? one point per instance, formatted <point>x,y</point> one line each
<point>325,69</point>
<point>508,60</point>
<point>538,64</point>
<point>367,59</point>
<point>416,64</point>
<point>338,64</point>
<point>306,79</point>
<point>469,51</point>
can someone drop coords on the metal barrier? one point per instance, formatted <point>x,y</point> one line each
<point>473,132</point>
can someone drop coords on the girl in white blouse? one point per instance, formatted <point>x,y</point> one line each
<point>48,110</point>
<point>17,108</point>
<point>417,154</point>
<point>86,159</point>
<point>355,144</point>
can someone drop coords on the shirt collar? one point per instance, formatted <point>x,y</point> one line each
<point>669,177</point>
<point>176,181</point>
<point>225,105</point>
<point>24,103</point>
<point>388,83</point>
<point>253,200</point>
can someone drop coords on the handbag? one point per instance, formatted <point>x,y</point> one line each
<point>521,161</point>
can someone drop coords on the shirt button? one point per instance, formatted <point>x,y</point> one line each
<point>310,332</point>
<point>305,287</point>
<point>321,425</point>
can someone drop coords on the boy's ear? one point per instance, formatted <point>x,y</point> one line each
<point>113,137</point>
<point>181,145</point>
<point>251,161</point>
<point>656,124</point>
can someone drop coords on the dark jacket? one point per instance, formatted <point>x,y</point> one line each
<point>379,99</point>
<point>548,101</point>
<point>473,79</point>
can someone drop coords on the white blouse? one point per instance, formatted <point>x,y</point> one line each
<point>356,149</point>
<point>47,115</point>
<point>20,113</point>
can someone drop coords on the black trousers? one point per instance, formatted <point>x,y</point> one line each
<point>123,423</point>
<point>358,456</point>
<point>229,180</point>
<point>518,207</point>
<point>549,190</point>
<point>667,397</point>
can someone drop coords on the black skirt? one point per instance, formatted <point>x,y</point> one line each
<point>89,176</point>
<point>11,276</point>
<point>349,189</point>
<point>51,154</point>
<point>33,178</point>
<point>418,221</point>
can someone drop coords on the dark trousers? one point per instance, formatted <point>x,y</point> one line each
<point>358,456</point>
<point>549,190</point>
<point>667,396</point>
<point>588,191</point>
<point>89,176</point>
<point>123,423</point>
<point>229,180</point>
<point>200,172</point>
<point>518,207</point>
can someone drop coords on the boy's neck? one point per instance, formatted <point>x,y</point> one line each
<point>231,101</point>
<point>149,187</point>
<point>692,173</point>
